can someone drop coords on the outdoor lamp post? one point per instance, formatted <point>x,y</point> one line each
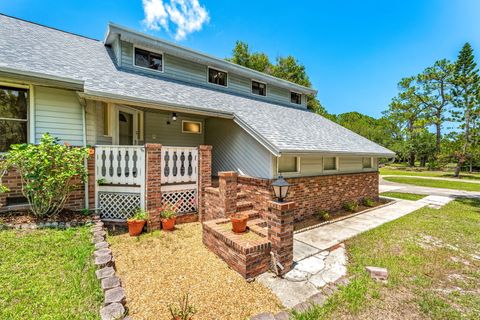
<point>280,188</point>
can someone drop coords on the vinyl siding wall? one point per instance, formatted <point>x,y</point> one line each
<point>59,113</point>
<point>185,70</point>
<point>235,150</point>
<point>312,165</point>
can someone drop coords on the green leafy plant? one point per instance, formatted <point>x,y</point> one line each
<point>101,182</point>
<point>49,172</point>
<point>323,214</point>
<point>369,202</point>
<point>168,211</point>
<point>184,310</point>
<point>351,206</point>
<point>140,214</point>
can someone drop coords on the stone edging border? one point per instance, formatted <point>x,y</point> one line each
<point>115,297</point>
<point>45,225</point>
<point>347,217</point>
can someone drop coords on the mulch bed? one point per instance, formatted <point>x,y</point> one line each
<point>317,220</point>
<point>25,217</point>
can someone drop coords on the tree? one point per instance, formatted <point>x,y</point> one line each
<point>408,112</point>
<point>287,68</point>
<point>433,91</point>
<point>465,92</point>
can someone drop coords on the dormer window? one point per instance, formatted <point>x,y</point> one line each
<point>259,88</point>
<point>295,97</point>
<point>148,59</point>
<point>216,76</point>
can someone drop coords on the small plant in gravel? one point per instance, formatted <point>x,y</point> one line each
<point>168,215</point>
<point>137,222</point>
<point>350,206</point>
<point>369,202</point>
<point>184,311</point>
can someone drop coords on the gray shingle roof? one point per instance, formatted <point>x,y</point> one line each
<point>27,47</point>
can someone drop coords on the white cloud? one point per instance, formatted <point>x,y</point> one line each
<point>177,17</point>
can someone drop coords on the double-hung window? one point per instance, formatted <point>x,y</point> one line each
<point>13,117</point>
<point>295,97</point>
<point>217,77</point>
<point>259,88</point>
<point>148,59</point>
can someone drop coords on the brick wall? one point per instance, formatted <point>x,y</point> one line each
<point>221,202</point>
<point>76,199</point>
<point>248,257</point>
<point>204,177</point>
<point>153,192</point>
<point>311,194</point>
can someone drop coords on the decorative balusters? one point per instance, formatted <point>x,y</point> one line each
<point>179,165</point>
<point>120,165</point>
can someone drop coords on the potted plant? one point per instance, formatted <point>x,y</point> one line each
<point>137,222</point>
<point>239,222</point>
<point>168,216</point>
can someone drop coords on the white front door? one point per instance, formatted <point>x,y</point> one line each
<point>127,126</point>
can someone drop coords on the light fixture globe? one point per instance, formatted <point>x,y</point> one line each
<point>174,116</point>
<point>280,188</point>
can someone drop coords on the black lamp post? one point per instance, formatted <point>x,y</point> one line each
<point>280,188</point>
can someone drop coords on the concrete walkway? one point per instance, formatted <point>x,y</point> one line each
<point>432,178</point>
<point>408,188</point>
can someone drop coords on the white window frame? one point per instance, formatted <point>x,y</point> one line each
<point>289,172</point>
<point>137,132</point>
<point>192,121</point>
<point>150,50</point>
<point>337,164</point>
<point>371,164</point>
<point>301,98</point>
<point>266,87</point>
<point>218,69</point>
<point>30,109</point>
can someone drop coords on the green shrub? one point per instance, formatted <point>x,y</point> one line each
<point>140,214</point>
<point>49,172</point>
<point>323,214</point>
<point>168,211</point>
<point>351,206</point>
<point>369,202</point>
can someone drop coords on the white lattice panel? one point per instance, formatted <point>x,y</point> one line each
<point>118,205</point>
<point>186,200</point>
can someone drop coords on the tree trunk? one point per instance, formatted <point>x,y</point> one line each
<point>438,128</point>
<point>411,160</point>
<point>456,174</point>
<point>423,161</point>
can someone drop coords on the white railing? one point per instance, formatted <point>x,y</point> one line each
<point>179,165</point>
<point>120,165</point>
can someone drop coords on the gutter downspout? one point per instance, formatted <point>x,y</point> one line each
<point>85,161</point>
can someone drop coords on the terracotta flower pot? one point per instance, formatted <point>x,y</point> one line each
<point>135,227</point>
<point>168,224</point>
<point>239,223</point>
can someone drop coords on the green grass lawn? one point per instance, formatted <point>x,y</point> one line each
<point>433,272</point>
<point>444,184</point>
<point>404,196</point>
<point>439,174</point>
<point>48,274</point>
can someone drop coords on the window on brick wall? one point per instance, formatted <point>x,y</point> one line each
<point>367,162</point>
<point>288,164</point>
<point>330,163</point>
<point>13,117</point>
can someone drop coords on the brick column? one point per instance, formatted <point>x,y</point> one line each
<point>92,183</point>
<point>204,176</point>
<point>227,187</point>
<point>280,233</point>
<point>153,175</point>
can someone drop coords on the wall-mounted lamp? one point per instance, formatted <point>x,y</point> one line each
<point>174,116</point>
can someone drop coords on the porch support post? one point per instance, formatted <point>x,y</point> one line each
<point>92,183</point>
<point>153,175</point>
<point>280,232</point>
<point>204,176</point>
<point>227,187</point>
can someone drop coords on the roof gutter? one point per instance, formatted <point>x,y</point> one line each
<point>174,107</point>
<point>332,153</point>
<point>43,79</point>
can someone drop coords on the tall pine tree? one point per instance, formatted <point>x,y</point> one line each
<point>466,97</point>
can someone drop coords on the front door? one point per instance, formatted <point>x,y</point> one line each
<point>125,128</point>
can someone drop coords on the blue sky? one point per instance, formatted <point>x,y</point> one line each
<point>354,51</point>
